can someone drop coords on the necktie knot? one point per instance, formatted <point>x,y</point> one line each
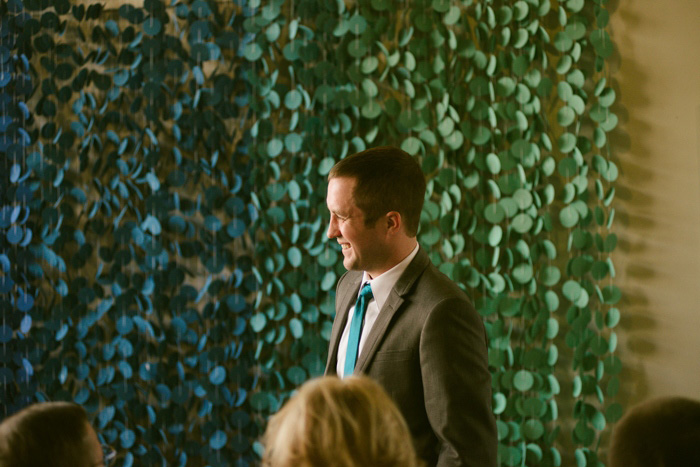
<point>366,292</point>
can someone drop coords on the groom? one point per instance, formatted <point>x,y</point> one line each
<point>402,322</point>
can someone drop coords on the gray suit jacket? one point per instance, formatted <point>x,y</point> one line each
<point>428,350</point>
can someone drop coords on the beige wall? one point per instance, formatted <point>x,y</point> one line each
<point>658,258</point>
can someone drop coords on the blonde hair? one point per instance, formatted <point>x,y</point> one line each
<point>344,423</point>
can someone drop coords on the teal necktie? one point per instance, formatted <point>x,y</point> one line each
<point>358,318</point>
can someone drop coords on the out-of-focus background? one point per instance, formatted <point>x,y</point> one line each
<point>658,146</point>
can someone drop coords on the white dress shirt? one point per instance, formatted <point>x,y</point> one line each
<point>381,288</point>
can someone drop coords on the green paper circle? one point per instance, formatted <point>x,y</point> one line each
<point>522,223</point>
<point>523,380</point>
<point>533,429</point>
<point>572,290</point>
<point>494,213</point>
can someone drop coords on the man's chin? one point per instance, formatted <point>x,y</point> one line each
<point>350,264</point>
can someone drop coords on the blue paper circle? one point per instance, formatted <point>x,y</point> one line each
<point>125,369</point>
<point>151,26</point>
<point>164,392</point>
<point>106,415</point>
<point>147,371</point>
<point>82,372</point>
<point>28,367</point>
<point>5,78</point>
<point>235,228</point>
<point>127,438</point>
<point>5,121</point>
<point>15,173</point>
<point>217,440</point>
<point>5,334</point>
<point>62,332</point>
<point>4,262</point>
<point>14,235</point>
<point>6,216</point>
<point>125,348</point>
<point>121,77</point>
<point>240,326</point>
<point>6,284</point>
<point>26,324</point>
<point>236,303</point>
<point>179,325</point>
<point>124,325</point>
<point>218,375</point>
<point>25,302</point>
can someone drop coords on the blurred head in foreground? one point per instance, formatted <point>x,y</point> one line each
<point>344,423</point>
<point>50,434</point>
<point>663,432</point>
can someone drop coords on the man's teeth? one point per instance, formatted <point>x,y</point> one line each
<point>344,246</point>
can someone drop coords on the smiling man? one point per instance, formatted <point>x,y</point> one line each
<point>402,322</point>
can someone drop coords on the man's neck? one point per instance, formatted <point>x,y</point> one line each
<point>399,253</point>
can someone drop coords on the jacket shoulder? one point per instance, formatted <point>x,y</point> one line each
<point>438,285</point>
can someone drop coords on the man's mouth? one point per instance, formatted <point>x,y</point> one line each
<point>344,246</point>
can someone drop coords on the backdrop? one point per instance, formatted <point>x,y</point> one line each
<point>164,259</point>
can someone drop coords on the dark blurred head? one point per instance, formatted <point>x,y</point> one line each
<point>49,434</point>
<point>662,432</point>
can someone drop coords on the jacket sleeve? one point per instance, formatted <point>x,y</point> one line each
<point>457,385</point>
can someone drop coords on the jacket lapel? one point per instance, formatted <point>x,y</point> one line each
<point>391,306</point>
<point>345,298</point>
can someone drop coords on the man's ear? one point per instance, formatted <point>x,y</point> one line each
<point>394,222</point>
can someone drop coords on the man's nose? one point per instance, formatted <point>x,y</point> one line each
<point>332,231</point>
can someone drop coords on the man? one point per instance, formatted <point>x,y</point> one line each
<point>412,329</point>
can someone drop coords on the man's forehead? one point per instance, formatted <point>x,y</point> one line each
<point>343,179</point>
<point>341,202</point>
<point>341,188</point>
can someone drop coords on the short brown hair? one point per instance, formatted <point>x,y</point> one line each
<point>388,179</point>
<point>344,423</point>
<point>50,434</point>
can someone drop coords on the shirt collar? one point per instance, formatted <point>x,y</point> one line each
<point>382,284</point>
